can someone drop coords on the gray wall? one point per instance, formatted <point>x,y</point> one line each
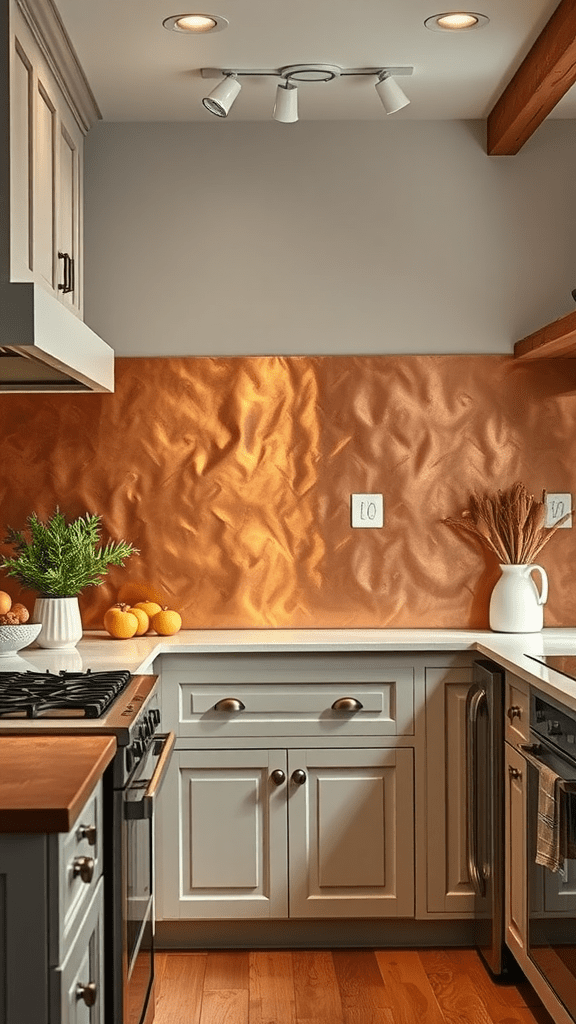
<point>318,238</point>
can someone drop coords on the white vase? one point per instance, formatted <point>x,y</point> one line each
<point>61,622</point>
<point>516,604</point>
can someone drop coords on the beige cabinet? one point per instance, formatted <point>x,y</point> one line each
<point>46,146</point>
<point>449,889</point>
<point>291,791</point>
<point>288,833</point>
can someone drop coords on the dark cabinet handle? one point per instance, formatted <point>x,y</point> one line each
<point>347,704</point>
<point>68,283</point>
<point>514,711</point>
<point>229,704</point>
<point>87,992</point>
<point>278,776</point>
<point>299,777</point>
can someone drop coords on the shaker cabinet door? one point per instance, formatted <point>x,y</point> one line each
<point>351,833</point>
<point>223,834</point>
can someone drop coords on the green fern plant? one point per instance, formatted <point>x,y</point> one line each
<point>59,559</point>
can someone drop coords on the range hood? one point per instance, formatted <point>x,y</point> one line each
<point>45,348</point>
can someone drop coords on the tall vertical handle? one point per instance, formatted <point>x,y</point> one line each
<point>68,283</point>
<point>477,698</point>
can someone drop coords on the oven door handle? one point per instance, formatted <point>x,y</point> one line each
<point>475,700</point>
<point>136,810</point>
<point>528,752</point>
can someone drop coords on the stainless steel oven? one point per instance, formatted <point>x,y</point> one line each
<point>552,888</point>
<point>133,874</point>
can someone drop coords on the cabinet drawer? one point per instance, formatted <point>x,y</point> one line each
<point>517,710</point>
<point>78,856</point>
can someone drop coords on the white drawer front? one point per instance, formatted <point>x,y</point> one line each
<point>293,695</point>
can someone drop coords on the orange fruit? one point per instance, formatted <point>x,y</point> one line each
<point>139,590</point>
<point>120,622</point>
<point>150,607</point>
<point>143,621</point>
<point>5,602</point>
<point>166,622</point>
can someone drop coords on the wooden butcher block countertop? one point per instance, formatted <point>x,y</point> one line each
<point>46,780</point>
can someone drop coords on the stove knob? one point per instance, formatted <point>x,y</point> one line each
<point>155,717</point>
<point>137,749</point>
<point>129,759</point>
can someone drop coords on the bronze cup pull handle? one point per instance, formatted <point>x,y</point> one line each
<point>229,704</point>
<point>347,704</point>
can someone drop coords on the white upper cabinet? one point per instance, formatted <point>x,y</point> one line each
<point>46,108</point>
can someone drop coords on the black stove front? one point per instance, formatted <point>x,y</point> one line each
<point>26,695</point>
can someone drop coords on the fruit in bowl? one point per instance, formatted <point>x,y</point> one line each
<point>14,637</point>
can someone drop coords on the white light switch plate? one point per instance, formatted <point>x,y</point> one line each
<point>557,505</point>
<point>367,510</point>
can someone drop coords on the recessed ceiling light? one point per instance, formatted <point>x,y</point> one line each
<point>195,23</point>
<point>456,21</point>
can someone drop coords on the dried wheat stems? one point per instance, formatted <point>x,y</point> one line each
<point>510,523</point>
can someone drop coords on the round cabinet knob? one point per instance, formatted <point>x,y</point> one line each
<point>298,777</point>
<point>88,832</point>
<point>278,777</point>
<point>229,704</point>
<point>83,867</point>
<point>87,992</point>
<point>347,704</point>
<point>514,711</point>
<point>514,773</point>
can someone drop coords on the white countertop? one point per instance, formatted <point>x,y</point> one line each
<point>98,651</point>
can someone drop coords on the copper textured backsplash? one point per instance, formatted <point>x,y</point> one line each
<point>233,478</point>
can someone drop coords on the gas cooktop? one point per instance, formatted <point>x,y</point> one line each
<point>68,694</point>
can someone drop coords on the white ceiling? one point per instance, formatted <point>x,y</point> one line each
<point>139,71</point>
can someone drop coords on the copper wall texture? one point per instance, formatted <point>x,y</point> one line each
<point>233,477</point>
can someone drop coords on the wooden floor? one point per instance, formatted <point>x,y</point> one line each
<point>340,987</point>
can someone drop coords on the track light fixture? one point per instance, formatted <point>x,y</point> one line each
<point>390,93</point>
<point>220,100</point>
<point>286,105</point>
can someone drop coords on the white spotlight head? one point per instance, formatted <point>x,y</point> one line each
<point>391,94</point>
<point>222,97</point>
<point>286,105</point>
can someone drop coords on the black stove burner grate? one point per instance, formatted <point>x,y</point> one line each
<point>42,694</point>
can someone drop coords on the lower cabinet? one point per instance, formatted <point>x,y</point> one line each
<point>51,924</point>
<point>301,833</point>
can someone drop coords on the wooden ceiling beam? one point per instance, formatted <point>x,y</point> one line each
<point>543,78</point>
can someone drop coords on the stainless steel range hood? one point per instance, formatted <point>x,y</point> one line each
<point>45,348</point>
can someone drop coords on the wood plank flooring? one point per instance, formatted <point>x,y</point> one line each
<point>381,986</point>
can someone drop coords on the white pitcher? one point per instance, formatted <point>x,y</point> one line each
<point>516,605</point>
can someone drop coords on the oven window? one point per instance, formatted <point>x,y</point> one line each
<point>552,905</point>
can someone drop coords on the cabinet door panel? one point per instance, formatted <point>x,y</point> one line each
<point>515,864</point>
<point>351,833</point>
<point>21,84</point>
<point>223,835</point>
<point>44,185</point>
<point>449,889</point>
<point>69,185</point>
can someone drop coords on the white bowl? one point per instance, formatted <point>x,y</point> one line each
<point>14,638</point>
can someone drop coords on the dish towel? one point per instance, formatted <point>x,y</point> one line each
<point>550,842</point>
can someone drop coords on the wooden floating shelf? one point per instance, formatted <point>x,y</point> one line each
<point>555,339</point>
